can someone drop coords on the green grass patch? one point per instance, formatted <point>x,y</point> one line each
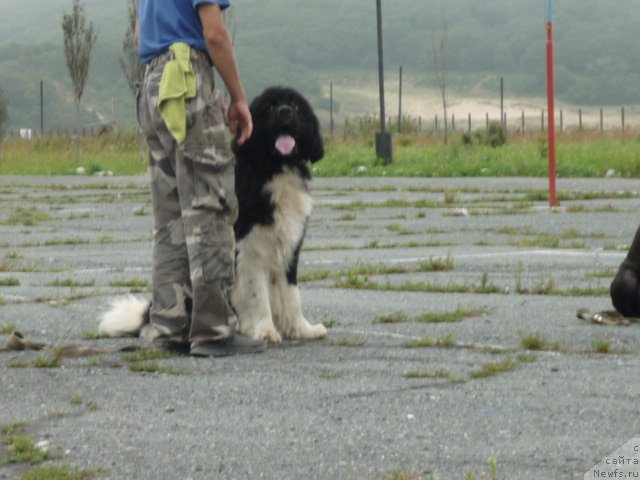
<point>397,317</point>
<point>95,335</point>
<point>153,368</point>
<point>358,282</point>
<point>68,282</point>
<point>26,216</point>
<point>18,447</point>
<point>329,323</point>
<point>454,316</point>
<point>143,355</point>
<point>9,282</point>
<point>494,368</point>
<point>441,373</point>
<point>403,474</point>
<point>61,472</point>
<point>446,341</point>
<point>42,362</point>
<point>436,264</point>
<point>601,346</point>
<point>135,285</point>
<point>7,329</point>
<point>583,155</point>
<point>526,357</point>
<point>537,342</point>
<point>344,342</point>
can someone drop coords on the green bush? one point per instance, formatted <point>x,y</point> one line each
<point>494,136</point>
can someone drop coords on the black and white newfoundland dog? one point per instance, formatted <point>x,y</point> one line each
<point>274,206</point>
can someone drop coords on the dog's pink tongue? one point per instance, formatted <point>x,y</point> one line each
<point>285,144</point>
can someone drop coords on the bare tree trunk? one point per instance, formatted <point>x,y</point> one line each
<point>439,52</point>
<point>77,131</point>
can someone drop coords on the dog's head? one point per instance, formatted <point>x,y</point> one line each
<point>284,126</point>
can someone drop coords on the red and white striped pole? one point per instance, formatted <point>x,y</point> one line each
<point>553,200</point>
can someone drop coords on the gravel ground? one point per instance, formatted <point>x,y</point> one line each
<point>360,405</point>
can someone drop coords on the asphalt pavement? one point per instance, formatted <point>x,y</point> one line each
<point>513,376</point>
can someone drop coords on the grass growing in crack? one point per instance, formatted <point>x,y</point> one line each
<point>65,241</point>
<point>399,229</point>
<point>153,368</point>
<point>95,336</point>
<point>601,346</point>
<point>354,281</point>
<point>76,400</point>
<point>9,282</point>
<point>331,375</point>
<point>397,317</point>
<point>537,342</point>
<point>526,358</point>
<point>26,216</point>
<point>446,341</point>
<point>7,329</point>
<point>41,362</point>
<point>135,285</point>
<point>492,462</point>
<point>402,474</point>
<point>494,368</point>
<point>456,315</point>
<point>19,447</point>
<point>347,217</point>
<point>441,373</point>
<point>436,264</point>
<point>345,342</point>
<point>68,282</point>
<point>145,354</point>
<point>63,301</point>
<point>61,472</point>
<point>329,323</point>
<point>315,275</point>
<point>606,273</point>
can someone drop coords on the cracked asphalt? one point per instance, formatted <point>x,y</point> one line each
<point>360,405</point>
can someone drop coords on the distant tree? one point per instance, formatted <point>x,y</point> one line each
<point>439,55</point>
<point>79,40</point>
<point>131,65</point>
<point>4,115</point>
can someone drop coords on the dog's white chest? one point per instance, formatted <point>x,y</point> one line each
<point>292,201</point>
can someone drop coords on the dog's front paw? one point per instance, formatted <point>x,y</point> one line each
<point>263,332</point>
<point>319,330</point>
<point>270,335</point>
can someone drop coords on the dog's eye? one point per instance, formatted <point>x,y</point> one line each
<point>295,106</point>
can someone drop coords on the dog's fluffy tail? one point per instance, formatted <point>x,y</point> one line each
<point>125,317</point>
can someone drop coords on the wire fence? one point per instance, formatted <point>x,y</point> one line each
<point>519,121</point>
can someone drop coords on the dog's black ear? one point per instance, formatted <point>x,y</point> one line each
<point>245,148</point>
<point>316,146</point>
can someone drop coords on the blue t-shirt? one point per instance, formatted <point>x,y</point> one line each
<point>163,22</point>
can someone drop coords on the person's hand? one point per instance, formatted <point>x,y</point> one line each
<point>240,120</point>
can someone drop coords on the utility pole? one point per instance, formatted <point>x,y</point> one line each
<point>383,138</point>
<point>400,102</point>
<point>41,108</point>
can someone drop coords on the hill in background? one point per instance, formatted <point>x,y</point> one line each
<point>308,44</point>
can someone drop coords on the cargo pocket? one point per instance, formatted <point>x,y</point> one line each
<point>214,185</point>
<point>217,252</point>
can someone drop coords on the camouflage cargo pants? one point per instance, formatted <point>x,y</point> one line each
<point>194,209</point>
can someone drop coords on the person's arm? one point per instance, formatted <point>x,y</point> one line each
<point>221,52</point>
<point>136,33</point>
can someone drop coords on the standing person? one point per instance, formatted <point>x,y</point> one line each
<point>191,172</point>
